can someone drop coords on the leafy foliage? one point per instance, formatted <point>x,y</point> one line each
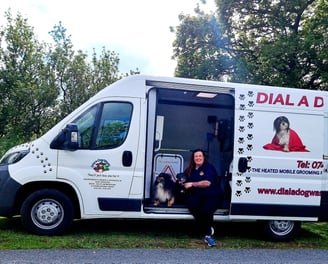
<point>40,83</point>
<point>27,84</point>
<point>200,48</point>
<point>281,43</point>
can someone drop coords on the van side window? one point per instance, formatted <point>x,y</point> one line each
<point>113,124</point>
<point>104,126</point>
<point>85,124</point>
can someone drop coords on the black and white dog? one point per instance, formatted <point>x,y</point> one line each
<point>281,127</point>
<point>164,189</point>
<point>180,192</point>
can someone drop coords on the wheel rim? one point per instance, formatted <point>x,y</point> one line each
<point>47,214</point>
<point>281,228</point>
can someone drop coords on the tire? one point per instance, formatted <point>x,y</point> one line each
<point>47,212</point>
<point>281,230</point>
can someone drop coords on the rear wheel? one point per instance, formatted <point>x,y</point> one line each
<point>281,230</point>
<point>47,212</point>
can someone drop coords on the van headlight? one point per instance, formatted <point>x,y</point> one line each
<point>13,157</point>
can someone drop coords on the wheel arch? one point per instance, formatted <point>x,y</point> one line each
<point>63,187</point>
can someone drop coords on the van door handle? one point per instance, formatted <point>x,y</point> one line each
<point>242,165</point>
<point>127,158</point>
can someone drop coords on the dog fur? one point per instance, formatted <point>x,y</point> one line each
<point>164,189</point>
<point>180,192</point>
<point>281,127</point>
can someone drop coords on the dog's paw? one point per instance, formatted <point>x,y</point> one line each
<point>156,203</point>
<point>170,202</point>
<point>286,149</point>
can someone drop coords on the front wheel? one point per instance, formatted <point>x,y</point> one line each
<point>47,212</point>
<point>281,230</point>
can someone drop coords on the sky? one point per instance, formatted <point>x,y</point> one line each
<point>137,30</point>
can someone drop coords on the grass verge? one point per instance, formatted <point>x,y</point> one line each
<point>155,234</point>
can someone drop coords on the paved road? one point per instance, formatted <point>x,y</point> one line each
<point>152,256</point>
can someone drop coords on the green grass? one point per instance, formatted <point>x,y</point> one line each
<point>154,234</point>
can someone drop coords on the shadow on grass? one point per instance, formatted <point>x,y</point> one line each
<point>161,234</point>
<point>246,230</point>
<point>230,234</point>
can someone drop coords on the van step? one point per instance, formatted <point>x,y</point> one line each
<point>177,210</point>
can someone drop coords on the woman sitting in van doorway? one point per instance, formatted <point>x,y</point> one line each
<point>203,188</point>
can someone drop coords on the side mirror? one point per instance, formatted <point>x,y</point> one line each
<point>67,139</point>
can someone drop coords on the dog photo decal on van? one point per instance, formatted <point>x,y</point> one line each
<point>100,165</point>
<point>285,139</point>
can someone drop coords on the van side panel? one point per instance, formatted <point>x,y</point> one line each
<point>277,130</point>
<point>323,216</point>
<point>104,176</point>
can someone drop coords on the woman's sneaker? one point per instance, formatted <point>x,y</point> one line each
<point>212,231</point>
<point>210,241</point>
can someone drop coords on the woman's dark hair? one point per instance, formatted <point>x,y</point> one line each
<point>191,164</point>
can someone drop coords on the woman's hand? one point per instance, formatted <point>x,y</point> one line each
<point>205,183</point>
<point>200,184</point>
<point>188,185</point>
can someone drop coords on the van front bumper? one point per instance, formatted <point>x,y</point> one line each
<point>8,190</point>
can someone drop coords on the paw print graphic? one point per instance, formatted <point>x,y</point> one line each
<point>250,125</point>
<point>251,103</point>
<point>250,115</point>
<point>249,136</point>
<point>249,147</point>
<point>238,193</point>
<point>247,189</point>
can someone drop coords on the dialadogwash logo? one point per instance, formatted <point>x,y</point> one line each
<point>100,165</point>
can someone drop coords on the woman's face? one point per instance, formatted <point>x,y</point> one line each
<point>199,158</point>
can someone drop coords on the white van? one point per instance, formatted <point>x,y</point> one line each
<point>268,144</point>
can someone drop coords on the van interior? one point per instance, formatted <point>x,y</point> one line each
<point>184,120</point>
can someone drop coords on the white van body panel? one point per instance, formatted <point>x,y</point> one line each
<point>292,178</point>
<point>40,164</point>
<point>76,167</point>
<point>234,126</point>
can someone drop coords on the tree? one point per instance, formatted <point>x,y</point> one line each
<point>70,72</point>
<point>27,85</point>
<point>200,48</point>
<point>267,42</point>
<point>77,78</point>
<point>40,83</point>
<point>315,47</point>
